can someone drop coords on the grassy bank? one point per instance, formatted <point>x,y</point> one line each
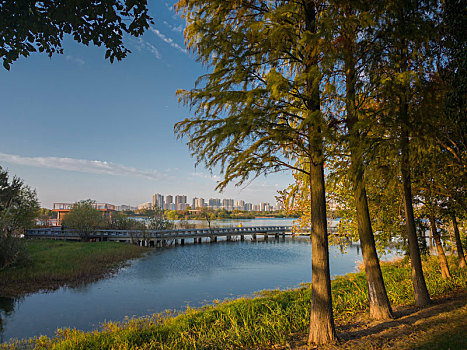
<point>270,320</point>
<point>52,264</point>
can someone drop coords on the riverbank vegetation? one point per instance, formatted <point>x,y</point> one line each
<point>52,264</point>
<point>272,319</point>
<point>18,208</point>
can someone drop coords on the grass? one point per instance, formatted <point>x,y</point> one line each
<point>269,320</point>
<point>52,264</point>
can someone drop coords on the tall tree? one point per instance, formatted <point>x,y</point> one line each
<point>30,25</point>
<point>404,31</point>
<point>355,23</point>
<point>260,109</point>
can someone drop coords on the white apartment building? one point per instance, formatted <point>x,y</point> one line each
<point>158,201</point>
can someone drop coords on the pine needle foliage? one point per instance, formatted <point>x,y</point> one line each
<point>252,111</point>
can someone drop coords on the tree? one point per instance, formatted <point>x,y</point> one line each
<point>30,26</point>
<point>352,52</point>
<point>400,62</point>
<point>156,219</point>
<point>260,109</point>
<point>18,209</point>
<point>120,221</point>
<point>208,214</point>
<point>84,218</point>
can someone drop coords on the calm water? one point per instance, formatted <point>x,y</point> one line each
<point>171,279</point>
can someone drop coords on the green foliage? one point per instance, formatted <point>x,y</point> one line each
<point>270,319</point>
<point>120,221</point>
<point>30,26</point>
<point>156,219</point>
<point>18,209</point>
<point>253,111</point>
<point>84,218</point>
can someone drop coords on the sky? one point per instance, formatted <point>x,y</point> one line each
<point>75,126</point>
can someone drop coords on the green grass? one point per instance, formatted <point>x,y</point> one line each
<point>52,264</point>
<point>271,318</point>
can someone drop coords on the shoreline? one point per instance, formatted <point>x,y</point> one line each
<point>55,264</point>
<point>269,317</point>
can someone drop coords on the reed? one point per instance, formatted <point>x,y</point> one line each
<point>268,319</point>
<point>52,264</point>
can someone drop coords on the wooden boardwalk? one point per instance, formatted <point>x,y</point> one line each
<point>163,238</point>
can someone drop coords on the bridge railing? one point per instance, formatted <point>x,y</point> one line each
<point>160,234</point>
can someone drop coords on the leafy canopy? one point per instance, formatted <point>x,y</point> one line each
<point>30,26</point>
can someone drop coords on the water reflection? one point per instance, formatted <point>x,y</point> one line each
<point>7,306</point>
<point>172,279</point>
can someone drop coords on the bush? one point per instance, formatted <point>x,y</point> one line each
<point>12,251</point>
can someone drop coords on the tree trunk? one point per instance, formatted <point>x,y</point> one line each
<point>422,297</point>
<point>322,330</point>
<point>380,307</point>
<point>460,250</point>
<point>443,262</point>
<point>430,238</point>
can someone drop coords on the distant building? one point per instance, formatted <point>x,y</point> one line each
<point>240,205</point>
<point>228,204</point>
<point>198,203</point>
<point>214,203</point>
<point>180,202</point>
<point>169,202</point>
<point>158,201</point>
<point>124,207</point>
<point>64,208</point>
<point>248,206</point>
<point>146,205</point>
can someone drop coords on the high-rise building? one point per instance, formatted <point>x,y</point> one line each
<point>180,202</point>
<point>158,201</point>
<point>228,204</point>
<point>198,203</point>
<point>248,206</point>
<point>169,203</point>
<point>264,206</point>
<point>214,203</point>
<point>240,205</point>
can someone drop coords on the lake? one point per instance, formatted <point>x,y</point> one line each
<point>174,278</point>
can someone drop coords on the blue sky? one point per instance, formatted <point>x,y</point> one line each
<point>75,126</point>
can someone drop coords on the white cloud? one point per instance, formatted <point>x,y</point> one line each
<point>173,28</point>
<point>75,60</point>
<point>144,45</point>
<point>169,6</point>
<point>81,165</point>
<point>213,177</point>
<point>168,40</point>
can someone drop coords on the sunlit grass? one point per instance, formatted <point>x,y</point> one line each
<point>272,317</point>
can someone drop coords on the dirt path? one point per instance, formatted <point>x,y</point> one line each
<point>442,325</point>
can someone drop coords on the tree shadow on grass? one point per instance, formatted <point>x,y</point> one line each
<point>441,325</point>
